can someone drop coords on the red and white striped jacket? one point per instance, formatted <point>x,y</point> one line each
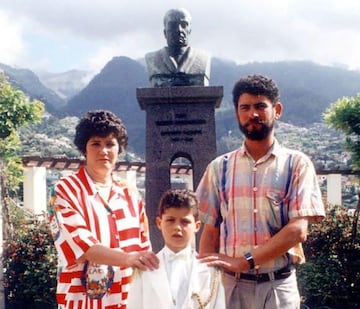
<point>79,218</point>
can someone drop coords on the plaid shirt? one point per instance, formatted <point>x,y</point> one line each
<point>79,219</point>
<point>251,201</point>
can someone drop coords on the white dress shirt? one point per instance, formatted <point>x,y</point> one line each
<point>178,269</point>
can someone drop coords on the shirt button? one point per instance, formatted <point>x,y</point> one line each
<point>113,216</point>
<point>255,211</point>
<point>255,189</point>
<point>254,169</point>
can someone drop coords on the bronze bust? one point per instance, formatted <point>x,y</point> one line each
<point>178,64</point>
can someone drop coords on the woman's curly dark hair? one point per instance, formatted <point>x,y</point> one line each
<point>256,85</point>
<point>100,123</point>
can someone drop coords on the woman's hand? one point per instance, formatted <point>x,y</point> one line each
<point>144,260</point>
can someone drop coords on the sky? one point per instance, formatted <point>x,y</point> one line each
<point>58,36</point>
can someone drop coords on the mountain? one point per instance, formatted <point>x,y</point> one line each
<point>306,89</point>
<point>65,84</point>
<point>30,84</point>
<point>114,88</point>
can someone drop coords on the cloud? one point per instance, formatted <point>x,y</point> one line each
<point>12,46</point>
<point>126,44</point>
<point>323,31</point>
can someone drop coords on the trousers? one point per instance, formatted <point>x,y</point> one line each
<point>277,294</point>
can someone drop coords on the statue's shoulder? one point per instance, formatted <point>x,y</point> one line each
<point>199,54</point>
<point>154,55</point>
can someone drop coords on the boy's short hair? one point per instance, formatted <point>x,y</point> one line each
<point>179,198</point>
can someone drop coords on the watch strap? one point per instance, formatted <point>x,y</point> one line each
<point>249,258</point>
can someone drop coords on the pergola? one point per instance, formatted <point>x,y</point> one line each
<point>36,167</point>
<point>35,175</point>
<point>65,163</point>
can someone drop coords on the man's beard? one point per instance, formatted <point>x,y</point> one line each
<point>256,134</point>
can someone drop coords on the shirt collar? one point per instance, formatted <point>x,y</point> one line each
<point>275,150</point>
<point>91,183</point>
<point>182,254</point>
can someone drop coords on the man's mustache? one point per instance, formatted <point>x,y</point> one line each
<point>254,121</point>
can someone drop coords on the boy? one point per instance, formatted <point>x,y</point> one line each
<point>180,281</point>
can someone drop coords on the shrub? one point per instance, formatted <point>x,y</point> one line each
<point>331,276</point>
<point>29,261</point>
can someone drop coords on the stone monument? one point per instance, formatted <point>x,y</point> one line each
<point>180,113</point>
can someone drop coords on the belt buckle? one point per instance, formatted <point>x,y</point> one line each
<point>271,276</point>
<point>264,277</point>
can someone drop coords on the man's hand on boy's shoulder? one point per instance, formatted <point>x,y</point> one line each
<point>236,265</point>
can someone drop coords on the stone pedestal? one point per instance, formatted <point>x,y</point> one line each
<point>180,122</point>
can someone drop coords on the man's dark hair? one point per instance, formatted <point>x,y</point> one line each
<point>100,123</point>
<point>179,198</point>
<point>256,85</point>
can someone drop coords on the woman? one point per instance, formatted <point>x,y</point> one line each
<point>98,223</point>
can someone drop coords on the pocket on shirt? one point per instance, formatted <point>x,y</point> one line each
<point>278,212</point>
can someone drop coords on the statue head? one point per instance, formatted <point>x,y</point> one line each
<point>178,64</point>
<point>177,28</point>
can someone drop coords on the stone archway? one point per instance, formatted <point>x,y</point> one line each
<point>181,181</point>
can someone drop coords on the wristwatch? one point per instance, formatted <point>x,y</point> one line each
<point>249,258</point>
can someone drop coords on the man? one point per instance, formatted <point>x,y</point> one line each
<point>256,203</point>
<point>178,64</point>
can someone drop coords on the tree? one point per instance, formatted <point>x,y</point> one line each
<point>16,110</point>
<point>344,115</point>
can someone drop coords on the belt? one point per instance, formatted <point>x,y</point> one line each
<point>282,273</point>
